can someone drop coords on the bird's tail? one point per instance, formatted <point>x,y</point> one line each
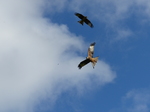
<point>94,61</point>
<point>81,22</point>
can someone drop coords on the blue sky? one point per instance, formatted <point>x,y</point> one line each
<point>41,45</point>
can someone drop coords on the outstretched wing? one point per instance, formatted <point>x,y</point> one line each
<point>79,15</point>
<point>89,23</point>
<point>91,50</point>
<point>83,63</point>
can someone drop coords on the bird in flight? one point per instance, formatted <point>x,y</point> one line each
<point>89,58</point>
<point>84,19</point>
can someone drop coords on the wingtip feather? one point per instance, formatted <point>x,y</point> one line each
<point>79,67</point>
<point>92,44</point>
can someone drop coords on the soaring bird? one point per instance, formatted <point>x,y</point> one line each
<point>84,19</point>
<point>89,58</point>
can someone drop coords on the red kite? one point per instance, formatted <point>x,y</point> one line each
<point>84,19</point>
<point>89,58</point>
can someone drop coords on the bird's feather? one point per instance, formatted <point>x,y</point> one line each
<point>84,19</point>
<point>89,57</point>
<point>79,15</point>
<point>83,63</point>
<point>91,50</point>
<point>88,22</point>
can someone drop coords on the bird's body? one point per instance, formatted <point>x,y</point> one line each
<point>84,19</point>
<point>89,58</point>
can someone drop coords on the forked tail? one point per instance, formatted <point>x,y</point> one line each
<point>95,59</point>
<point>81,22</point>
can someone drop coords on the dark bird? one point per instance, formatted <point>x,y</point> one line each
<point>84,19</point>
<point>89,58</point>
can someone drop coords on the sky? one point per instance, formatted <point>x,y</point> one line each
<point>41,45</point>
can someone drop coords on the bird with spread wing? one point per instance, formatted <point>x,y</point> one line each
<point>84,19</point>
<point>89,58</point>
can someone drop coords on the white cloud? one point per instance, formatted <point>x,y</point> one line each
<point>139,100</point>
<point>123,34</point>
<point>135,101</point>
<point>114,13</point>
<point>39,59</point>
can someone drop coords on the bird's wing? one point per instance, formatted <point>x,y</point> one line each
<point>79,15</point>
<point>91,50</point>
<point>88,23</point>
<point>83,63</point>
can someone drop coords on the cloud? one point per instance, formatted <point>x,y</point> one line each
<point>122,34</point>
<point>38,59</point>
<point>116,14</point>
<point>139,100</point>
<point>135,101</point>
<point>109,11</point>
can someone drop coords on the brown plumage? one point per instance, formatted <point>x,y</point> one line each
<point>84,19</point>
<point>89,58</point>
